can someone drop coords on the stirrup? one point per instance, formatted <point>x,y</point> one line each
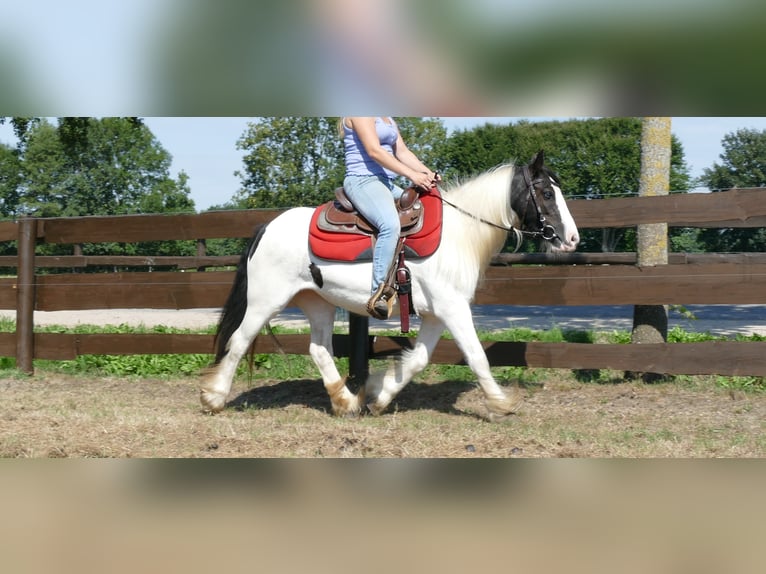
<point>381,303</point>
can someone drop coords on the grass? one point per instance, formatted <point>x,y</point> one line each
<point>286,367</point>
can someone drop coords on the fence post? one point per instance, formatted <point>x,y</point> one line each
<point>25,296</point>
<point>650,322</point>
<point>359,347</point>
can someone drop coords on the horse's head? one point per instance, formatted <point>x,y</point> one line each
<point>537,200</point>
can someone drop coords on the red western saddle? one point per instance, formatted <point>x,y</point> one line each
<point>339,233</point>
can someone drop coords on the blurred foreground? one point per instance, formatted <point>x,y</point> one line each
<point>422,58</point>
<point>573,516</point>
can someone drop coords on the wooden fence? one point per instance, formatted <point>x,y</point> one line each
<point>522,279</point>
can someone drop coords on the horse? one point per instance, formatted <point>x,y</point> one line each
<point>277,269</point>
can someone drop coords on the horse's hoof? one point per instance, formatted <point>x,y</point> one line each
<point>501,408</point>
<point>349,409</point>
<point>373,410</point>
<point>212,402</point>
<point>346,413</point>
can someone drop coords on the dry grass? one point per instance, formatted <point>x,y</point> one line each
<point>58,416</point>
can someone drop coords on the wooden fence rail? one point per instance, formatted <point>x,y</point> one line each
<point>521,279</point>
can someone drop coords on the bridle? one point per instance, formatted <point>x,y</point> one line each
<point>544,230</point>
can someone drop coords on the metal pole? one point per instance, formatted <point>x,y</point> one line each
<point>25,296</point>
<point>359,348</point>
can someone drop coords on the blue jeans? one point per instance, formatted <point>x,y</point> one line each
<point>374,197</point>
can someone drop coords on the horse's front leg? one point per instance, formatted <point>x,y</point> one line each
<point>381,388</point>
<point>499,403</point>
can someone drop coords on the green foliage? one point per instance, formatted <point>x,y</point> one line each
<point>748,384</point>
<point>286,367</point>
<point>678,335</point>
<point>130,365</point>
<point>743,164</point>
<point>88,166</point>
<point>619,337</point>
<point>10,180</point>
<point>228,246</point>
<point>553,335</point>
<point>470,152</point>
<point>43,189</point>
<point>595,158</point>
<point>126,365</point>
<point>685,240</point>
<point>290,161</point>
<point>427,138</point>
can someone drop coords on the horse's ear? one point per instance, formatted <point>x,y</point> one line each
<point>538,161</point>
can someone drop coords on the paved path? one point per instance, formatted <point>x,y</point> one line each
<point>715,319</point>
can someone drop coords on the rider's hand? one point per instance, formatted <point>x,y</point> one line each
<point>425,179</point>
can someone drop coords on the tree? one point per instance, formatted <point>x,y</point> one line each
<point>290,161</point>
<point>293,161</point>
<point>43,189</point>
<point>21,127</point>
<point>10,181</point>
<point>595,158</point>
<point>90,166</point>
<point>743,164</point>
<point>469,152</point>
<point>427,138</point>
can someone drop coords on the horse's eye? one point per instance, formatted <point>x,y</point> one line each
<point>547,195</point>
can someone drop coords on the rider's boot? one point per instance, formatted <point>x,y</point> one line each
<point>382,301</point>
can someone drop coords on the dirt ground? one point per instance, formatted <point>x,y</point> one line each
<point>60,416</point>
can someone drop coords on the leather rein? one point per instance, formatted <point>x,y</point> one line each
<point>545,230</point>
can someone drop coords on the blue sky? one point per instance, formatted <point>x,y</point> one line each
<point>205,148</point>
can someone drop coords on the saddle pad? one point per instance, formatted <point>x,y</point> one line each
<point>351,247</point>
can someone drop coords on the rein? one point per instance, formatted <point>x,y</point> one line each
<point>545,230</point>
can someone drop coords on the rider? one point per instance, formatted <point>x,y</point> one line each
<point>375,154</point>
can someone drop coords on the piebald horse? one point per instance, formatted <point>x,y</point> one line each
<point>278,269</point>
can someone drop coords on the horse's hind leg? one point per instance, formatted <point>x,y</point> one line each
<point>216,384</point>
<point>381,388</point>
<point>321,316</point>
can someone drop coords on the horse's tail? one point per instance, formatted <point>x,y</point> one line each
<point>236,304</point>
